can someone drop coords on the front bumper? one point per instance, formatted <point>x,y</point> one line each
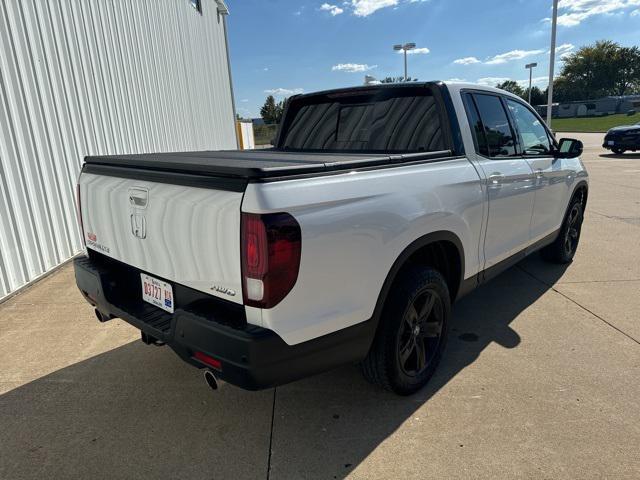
<point>622,143</point>
<point>251,357</point>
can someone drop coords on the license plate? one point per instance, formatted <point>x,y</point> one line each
<point>156,292</point>
<point>611,142</point>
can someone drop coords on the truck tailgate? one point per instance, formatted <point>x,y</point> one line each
<point>183,234</point>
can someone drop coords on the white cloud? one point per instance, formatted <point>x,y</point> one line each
<point>534,81</point>
<point>491,81</point>
<point>636,13</point>
<point>266,69</point>
<point>564,48</point>
<point>352,67</point>
<point>416,51</point>
<point>456,80</point>
<point>364,8</point>
<point>332,9</point>
<point>573,12</point>
<point>512,55</point>
<point>284,92</point>
<point>244,100</point>
<point>466,61</point>
<point>507,56</point>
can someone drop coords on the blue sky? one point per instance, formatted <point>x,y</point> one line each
<point>286,46</point>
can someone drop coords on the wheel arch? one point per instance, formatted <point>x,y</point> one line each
<point>581,189</point>
<point>441,246</point>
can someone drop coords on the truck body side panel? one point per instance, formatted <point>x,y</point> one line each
<point>354,227</point>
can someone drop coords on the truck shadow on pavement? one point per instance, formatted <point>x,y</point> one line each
<point>139,412</point>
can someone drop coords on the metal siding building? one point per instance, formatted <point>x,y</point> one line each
<point>82,77</point>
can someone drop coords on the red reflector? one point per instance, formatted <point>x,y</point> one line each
<point>204,358</point>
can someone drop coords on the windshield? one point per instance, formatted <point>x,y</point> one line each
<point>398,120</point>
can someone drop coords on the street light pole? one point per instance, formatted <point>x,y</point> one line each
<point>405,48</point>
<point>552,60</point>
<point>530,66</point>
<point>405,65</point>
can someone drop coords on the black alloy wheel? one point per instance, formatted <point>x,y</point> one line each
<point>420,333</point>
<point>563,249</point>
<point>412,332</point>
<point>572,235</point>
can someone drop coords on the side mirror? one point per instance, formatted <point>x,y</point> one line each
<point>569,148</point>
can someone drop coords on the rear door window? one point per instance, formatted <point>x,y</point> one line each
<point>477,129</point>
<point>496,133</point>
<point>400,120</point>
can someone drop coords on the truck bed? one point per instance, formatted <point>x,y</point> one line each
<point>254,164</point>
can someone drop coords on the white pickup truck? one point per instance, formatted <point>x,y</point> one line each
<point>348,241</point>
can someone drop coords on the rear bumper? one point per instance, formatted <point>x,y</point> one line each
<point>251,357</point>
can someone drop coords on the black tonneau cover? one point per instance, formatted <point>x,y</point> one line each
<point>255,164</point>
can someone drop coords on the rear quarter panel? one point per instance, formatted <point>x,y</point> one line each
<point>354,227</point>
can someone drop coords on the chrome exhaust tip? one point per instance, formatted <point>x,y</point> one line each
<point>211,379</point>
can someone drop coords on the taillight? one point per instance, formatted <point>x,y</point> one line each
<point>80,215</point>
<point>270,257</point>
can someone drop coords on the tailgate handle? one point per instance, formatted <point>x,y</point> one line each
<point>139,197</point>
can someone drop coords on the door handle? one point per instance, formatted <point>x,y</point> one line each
<point>495,179</point>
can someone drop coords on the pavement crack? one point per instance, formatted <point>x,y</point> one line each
<point>579,305</point>
<point>273,414</point>
<point>635,221</point>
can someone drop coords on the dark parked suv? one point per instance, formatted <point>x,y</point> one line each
<point>623,138</point>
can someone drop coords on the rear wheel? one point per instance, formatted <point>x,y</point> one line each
<point>412,333</point>
<point>563,249</point>
<point>618,151</point>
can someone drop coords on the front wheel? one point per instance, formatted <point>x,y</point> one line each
<point>563,249</point>
<point>618,151</point>
<point>412,333</point>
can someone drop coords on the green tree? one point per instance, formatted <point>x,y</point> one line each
<point>511,86</point>
<point>397,80</point>
<point>537,96</point>
<point>604,68</point>
<point>271,111</point>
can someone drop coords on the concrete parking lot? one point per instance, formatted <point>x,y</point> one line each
<point>540,380</point>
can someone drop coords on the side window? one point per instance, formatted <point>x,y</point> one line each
<point>497,130</point>
<point>476,125</point>
<point>533,135</point>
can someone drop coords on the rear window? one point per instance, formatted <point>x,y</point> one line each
<point>386,120</point>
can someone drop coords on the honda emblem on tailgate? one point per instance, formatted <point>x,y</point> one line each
<point>139,199</point>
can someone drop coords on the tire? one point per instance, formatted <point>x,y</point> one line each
<point>563,249</point>
<point>412,333</point>
<point>618,151</point>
